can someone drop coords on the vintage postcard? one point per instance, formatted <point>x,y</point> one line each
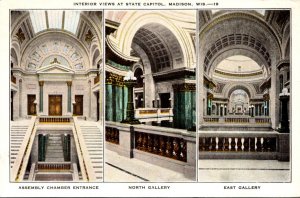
<point>138,98</point>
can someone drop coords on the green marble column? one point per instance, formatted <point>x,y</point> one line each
<point>41,83</point>
<point>108,102</point>
<point>69,83</point>
<point>125,101</point>
<point>42,141</point>
<point>67,147</point>
<point>184,106</point>
<point>119,105</point>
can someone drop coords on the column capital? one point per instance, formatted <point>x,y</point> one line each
<point>41,83</point>
<point>69,83</point>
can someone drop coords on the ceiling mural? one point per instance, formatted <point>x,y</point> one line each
<point>66,53</point>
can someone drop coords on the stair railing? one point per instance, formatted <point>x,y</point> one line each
<point>87,171</point>
<point>19,167</point>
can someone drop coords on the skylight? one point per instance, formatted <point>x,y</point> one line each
<point>38,20</point>
<point>54,19</point>
<point>71,20</point>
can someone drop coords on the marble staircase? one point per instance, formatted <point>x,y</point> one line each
<point>92,135</point>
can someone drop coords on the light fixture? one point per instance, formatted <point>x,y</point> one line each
<point>130,76</point>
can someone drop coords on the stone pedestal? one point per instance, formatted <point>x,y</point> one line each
<point>284,120</point>
<point>126,141</point>
<point>283,147</point>
<point>190,168</point>
<point>130,119</point>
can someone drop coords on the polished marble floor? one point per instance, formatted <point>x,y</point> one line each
<point>243,171</point>
<point>121,169</point>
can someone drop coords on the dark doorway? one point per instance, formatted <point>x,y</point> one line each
<point>55,105</point>
<point>139,100</point>
<point>78,106</point>
<point>31,106</point>
<point>98,105</point>
<point>165,100</point>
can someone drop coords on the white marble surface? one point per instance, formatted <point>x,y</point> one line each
<point>243,171</point>
<point>139,168</point>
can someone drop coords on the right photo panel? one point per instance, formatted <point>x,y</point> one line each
<point>244,92</point>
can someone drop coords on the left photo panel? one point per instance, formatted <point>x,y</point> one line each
<point>56,96</point>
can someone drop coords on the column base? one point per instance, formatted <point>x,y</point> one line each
<point>131,121</point>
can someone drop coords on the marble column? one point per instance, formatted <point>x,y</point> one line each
<point>184,106</point>
<point>41,106</point>
<point>69,83</point>
<point>108,103</point>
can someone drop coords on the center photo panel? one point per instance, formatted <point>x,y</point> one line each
<point>150,90</point>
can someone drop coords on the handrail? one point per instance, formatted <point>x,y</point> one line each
<point>20,164</point>
<point>83,155</point>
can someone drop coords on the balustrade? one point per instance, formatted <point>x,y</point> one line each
<point>262,120</point>
<point>54,119</point>
<point>53,166</point>
<point>112,135</point>
<point>171,147</point>
<point>209,119</point>
<point>238,144</point>
<point>148,111</point>
<point>237,120</point>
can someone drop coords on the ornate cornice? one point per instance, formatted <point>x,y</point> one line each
<point>114,79</point>
<point>185,87</point>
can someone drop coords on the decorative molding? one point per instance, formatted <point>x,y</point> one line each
<point>185,87</point>
<point>114,79</point>
<point>20,35</point>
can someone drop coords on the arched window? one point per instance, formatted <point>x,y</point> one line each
<point>138,74</point>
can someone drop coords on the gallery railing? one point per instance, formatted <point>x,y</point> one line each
<point>237,120</point>
<point>154,114</point>
<point>112,135</point>
<point>54,166</point>
<point>167,147</point>
<point>217,144</point>
<point>54,119</point>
